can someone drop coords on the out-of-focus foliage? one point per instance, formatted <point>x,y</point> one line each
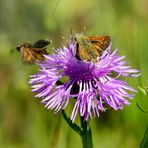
<point>24,122</point>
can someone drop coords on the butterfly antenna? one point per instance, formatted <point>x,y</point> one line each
<point>63,37</point>
<point>72,33</point>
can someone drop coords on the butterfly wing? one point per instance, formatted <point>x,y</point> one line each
<point>99,43</point>
<point>40,46</point>
<point>81,53</point>
<point>41,43</point>
<point>30,55</point>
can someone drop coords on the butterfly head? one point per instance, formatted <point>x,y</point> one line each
<point>24,45</point>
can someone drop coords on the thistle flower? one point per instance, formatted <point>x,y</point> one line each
<point>93,86</point>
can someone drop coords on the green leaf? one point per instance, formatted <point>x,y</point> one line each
<point>143,90</point>
<point>141,109</point>
<point>144,142</point>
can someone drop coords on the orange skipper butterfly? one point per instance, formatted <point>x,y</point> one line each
<point>89,48</point>
<point>33,52</point>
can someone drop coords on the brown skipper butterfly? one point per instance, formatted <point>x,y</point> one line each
<point>33,52</point>
<point>89,48</point>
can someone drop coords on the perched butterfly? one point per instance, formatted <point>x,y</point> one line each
<point>33,52</point>
<point>89,48</point>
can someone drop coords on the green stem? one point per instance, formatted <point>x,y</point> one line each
<point>86,134</point>
<point>84,131</point>
<point>74,126</point>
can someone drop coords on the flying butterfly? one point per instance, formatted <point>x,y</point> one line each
<point>89,48</point>
<point>33,52</point>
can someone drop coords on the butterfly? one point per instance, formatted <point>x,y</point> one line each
<point>89,48</point>
<point>33,52</point>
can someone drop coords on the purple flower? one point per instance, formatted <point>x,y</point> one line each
<point>93,86</point>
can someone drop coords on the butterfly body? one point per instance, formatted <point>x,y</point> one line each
<point>33,52</point>
<point>89,48</point>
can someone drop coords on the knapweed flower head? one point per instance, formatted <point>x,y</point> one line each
<point>93,86</point>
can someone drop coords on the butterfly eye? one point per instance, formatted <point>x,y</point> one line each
<point>75,38</point>
<point>18,48</point>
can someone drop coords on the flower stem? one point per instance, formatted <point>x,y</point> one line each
<point>74,126</point>
<point>84,131</point>
<point>86,134</point>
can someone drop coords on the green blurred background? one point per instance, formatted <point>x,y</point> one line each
<point>24,122</point>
